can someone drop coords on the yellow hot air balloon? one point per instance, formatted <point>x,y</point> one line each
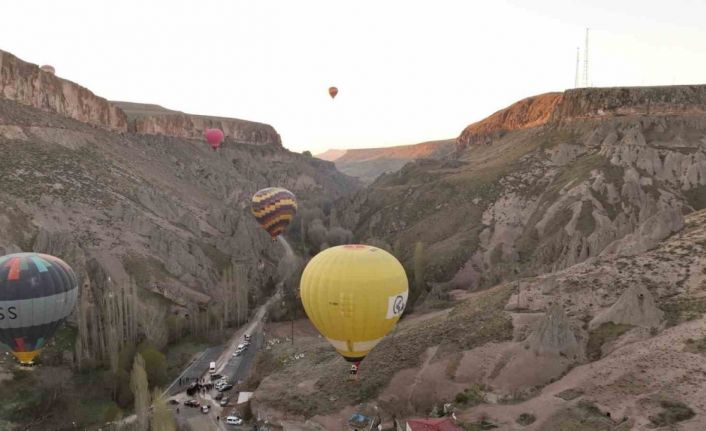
<point>354,295</point>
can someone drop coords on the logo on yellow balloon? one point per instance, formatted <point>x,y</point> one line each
<point>396,305</point>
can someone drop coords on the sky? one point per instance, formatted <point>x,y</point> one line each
<point>407,71</point>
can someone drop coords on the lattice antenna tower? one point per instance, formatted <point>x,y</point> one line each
<point>586,82</point>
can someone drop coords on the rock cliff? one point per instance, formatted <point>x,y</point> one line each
<point>555,108</point>
<point>554,183</point>
<point>155,120</point>
<point>28,84</point>
<point>135,197</point>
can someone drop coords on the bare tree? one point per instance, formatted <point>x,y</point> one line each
<point>153,321</point>
<point>339,236</point>
<point>316,233</point>
<point>240,283</point>
<point>226,295</point>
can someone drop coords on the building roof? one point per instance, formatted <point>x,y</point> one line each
<point>442,424</point>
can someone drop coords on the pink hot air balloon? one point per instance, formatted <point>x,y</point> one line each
<point>214,137</point>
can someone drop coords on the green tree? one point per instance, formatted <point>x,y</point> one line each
<point>123,393</point>
<point>162,419</point>
<point>141,392</point>
<point>155,364</point>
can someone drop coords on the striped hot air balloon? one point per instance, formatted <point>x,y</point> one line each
<point>274,208</point>
<point>37,293</point>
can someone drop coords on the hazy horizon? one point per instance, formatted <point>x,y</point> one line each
<point>407,72</point>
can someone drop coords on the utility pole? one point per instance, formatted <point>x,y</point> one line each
<point>586,81</point>
<point>576,75</point>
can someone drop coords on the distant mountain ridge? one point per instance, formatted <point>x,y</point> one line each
<point>368,163</point>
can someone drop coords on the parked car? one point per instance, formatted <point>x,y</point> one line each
<point>215,377</point>
<point>218,396</point>
<point>225,388</point>
<point>224,400</point>
<point>191,403</point>
<point>205,409</point>
<point>246,337</point>
<point>233,420</point>
<point>173,402</point>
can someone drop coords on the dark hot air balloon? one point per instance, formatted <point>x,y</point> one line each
<point>37,293</point>
<point>332,91</point>
<point>214,137</point>
<point>274,208</point>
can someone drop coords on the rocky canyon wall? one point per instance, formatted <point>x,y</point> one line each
<point>27,84</point>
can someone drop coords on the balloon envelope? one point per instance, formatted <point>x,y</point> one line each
<point>214,137</point>
<point>332,91</point>
<point>274,208</point>
<point>354,295</point>
<point>37,293</point>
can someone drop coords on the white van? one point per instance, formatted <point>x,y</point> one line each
<point>233,420</point>
<point>212,368</point>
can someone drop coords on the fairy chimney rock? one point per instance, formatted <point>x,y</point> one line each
<point>554,335</point>
<point>636,307</point>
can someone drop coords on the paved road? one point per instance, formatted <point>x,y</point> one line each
<point>195,371</point>
<point>235,368</point>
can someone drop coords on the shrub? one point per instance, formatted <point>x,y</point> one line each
<point>526,419</point>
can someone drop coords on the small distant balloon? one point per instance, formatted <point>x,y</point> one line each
<point>214,137</point>
<point>49,69</point>
<point>332,91</point>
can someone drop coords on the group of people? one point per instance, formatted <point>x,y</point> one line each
<point>187,380</point>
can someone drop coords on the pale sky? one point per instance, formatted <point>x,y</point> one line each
<point>407,71</point>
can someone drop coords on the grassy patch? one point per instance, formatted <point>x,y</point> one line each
<point>144,269</point>
<point>696,346</point>
<point>578,171</point>
<point>673,412</point>
<point>586,224</point>
<point>696,197</point>
<point>683,310</point>
<point>471,396</point>
<point>180,353</point>
<point>220,260</point>
<point>481,425</point>
<point>569,394</point>
<point>525,419</point>
<point>605,333</point>
<point>402,349</point>
<point>53,398</point>
<point>584,416</point>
